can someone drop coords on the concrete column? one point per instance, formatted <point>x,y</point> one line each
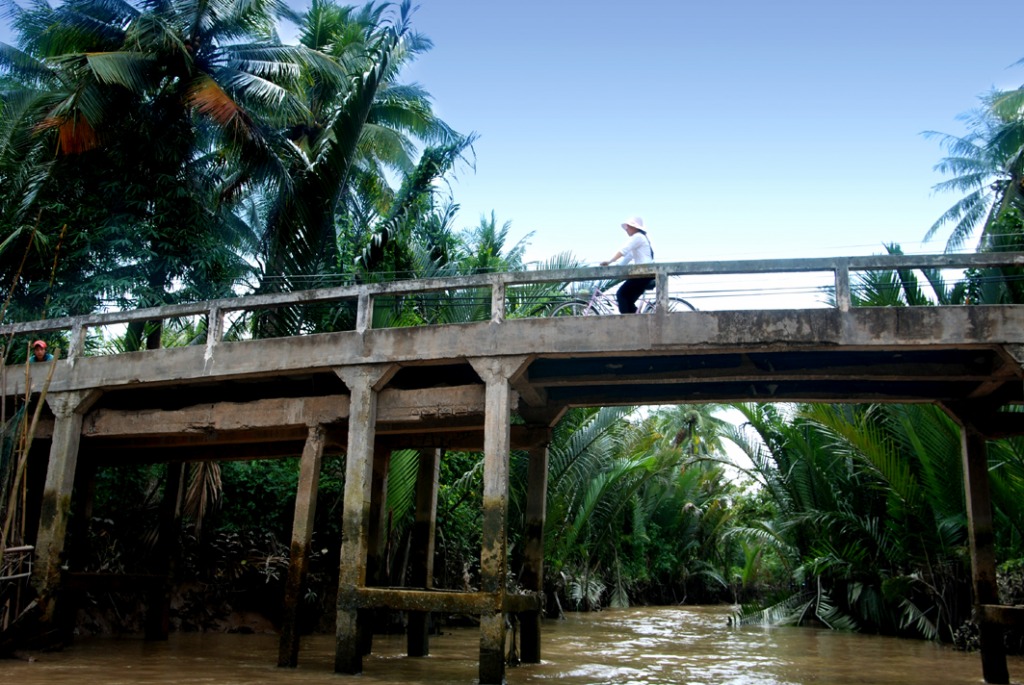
<point>376,573</point>
<point>158,604</point>
<point>376,561</point>
<point>83,502</point>
<point>495,372</point>
<point>68,409</point>
<point>76,550</point>
<point>533,551</point>
<point>302,536</point>
<point>363,383</point>
<point>983,558</point>
<point>422,561</point>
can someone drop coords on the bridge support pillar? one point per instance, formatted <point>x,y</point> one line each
<point>376,562</point>
<point>68,409</point>
<point>76,550</point>
<point>158,603</point>
<point>533,566</point>
<point>302,536</point>
<point>982,542</point>
<point>495,372</point>
<point>421,563</point>
<point>363,383</point>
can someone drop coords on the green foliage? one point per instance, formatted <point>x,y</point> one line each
<point>459,521</point>
<point>987,164</point>
<point>901,288</point>
<point>869,513</point>
<point>256,495</point>
<point>133,209</point>
<point>638,508</point>
<point>125,519</point>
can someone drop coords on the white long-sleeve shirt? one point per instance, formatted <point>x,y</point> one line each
<point>637,250</point>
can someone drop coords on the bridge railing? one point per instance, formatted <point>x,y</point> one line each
<point>16,563</point>
<point>364,295</point>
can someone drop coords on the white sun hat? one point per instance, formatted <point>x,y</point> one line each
<point>635,222</point>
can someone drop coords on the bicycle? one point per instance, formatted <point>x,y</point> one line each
<point>599,303</point>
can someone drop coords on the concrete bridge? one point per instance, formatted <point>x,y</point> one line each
<point>371,390</point>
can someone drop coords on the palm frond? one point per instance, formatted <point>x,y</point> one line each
<point>789,611</point>
<point>127,69</point>
<point>203,491</point>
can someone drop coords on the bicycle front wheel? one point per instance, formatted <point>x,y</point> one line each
<point>574,308</point>
<point>675,304</point>
<point>678,304</point>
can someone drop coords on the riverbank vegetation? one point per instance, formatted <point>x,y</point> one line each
<point>177,151</point>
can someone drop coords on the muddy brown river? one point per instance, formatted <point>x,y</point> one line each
<point>639,646</point>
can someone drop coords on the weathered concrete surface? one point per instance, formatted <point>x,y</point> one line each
<point>364,383</point>
<point>689,333</point>
<point>213,311</point>
<point>394,406</point>
<point>224,416</point>
<point>68,409</point>
<point>982,543</point>
<point>421,557</point>
<point>496,372</point>
<point>532,577</point>
<point>302,535</point>
<point>398,410</point>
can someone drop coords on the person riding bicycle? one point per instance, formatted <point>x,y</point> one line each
<point>637,250</point>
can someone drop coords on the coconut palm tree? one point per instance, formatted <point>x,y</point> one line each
<point>360,124</point>
<point>987,163</point>
<point>337,210</point>
<point>158,116</point>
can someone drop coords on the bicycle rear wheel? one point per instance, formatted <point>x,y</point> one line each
<point>574,308</point>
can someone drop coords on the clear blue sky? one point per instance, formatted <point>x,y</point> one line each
<point>735,129</point>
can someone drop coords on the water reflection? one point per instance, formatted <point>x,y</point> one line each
<point>633,647</point>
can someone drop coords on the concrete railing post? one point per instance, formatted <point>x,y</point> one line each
<point>364,311</point>
<point>661,293</point>
<point>497,300</point>
<point>214,331</point>
<point>843,298</point>
<point>76,347</point>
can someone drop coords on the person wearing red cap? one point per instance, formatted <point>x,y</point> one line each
<point>39,353</point>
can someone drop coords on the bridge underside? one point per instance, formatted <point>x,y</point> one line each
<point>442,406</point>
<point>449,388</point>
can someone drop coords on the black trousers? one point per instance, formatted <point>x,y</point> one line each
<point>630,291</point>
